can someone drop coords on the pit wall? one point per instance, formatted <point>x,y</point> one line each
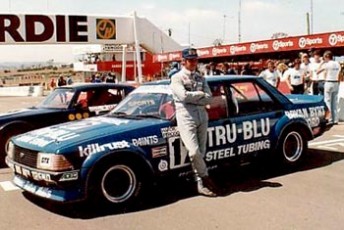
<point>22,91</point>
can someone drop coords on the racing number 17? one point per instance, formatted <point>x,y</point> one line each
<point>178,153</point>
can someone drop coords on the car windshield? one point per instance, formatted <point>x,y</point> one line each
<point>60,98</point>
<point>146,105</point>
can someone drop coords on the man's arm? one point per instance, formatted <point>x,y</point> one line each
<point>191,97</point>
<point>207,94</point>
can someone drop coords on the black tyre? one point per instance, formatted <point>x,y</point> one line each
<point>292,147</point>
<point>116,185</point>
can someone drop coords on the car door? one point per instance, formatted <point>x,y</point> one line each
<point>247,128</point>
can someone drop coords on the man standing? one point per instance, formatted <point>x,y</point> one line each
<point>295,79</point>
<point>306,71</point>
<point>270,75</point>
<point>318,80</point>
<point>331,89</point>
<point>191,94</point>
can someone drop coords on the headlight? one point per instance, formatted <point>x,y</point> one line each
<point>10,150</point>
<point>53,162</point>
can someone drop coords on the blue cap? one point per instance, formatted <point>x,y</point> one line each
<point>189,53</point>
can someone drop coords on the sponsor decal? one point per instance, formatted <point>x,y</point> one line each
<point>111,121</point>
<point>43,28</point>
<point>173,56</point>
<point>303,42</point>
<point>30,187</point>
<point>256,47</point>
<point>218,51</point>
<point>159,151</point>
<point>107,48</point>
<point>334,39</point>
<point>312,114</point>
<point>141,103</point>
<point>163,165</point>
<point>241,149</point>
<point>162,57</point>
<point>101,108</point>
<point>143,141</point>
<point>203,52</point>
<point>178,153</point>
<point>45,136</point>
<point>168,132</point>
<point>237,49</point>
<point>68,176</point>
<point>277,44</point>
<point>227,134</point>
<point>106,29</point>
<point>35,175</point>
<point>97,148</point>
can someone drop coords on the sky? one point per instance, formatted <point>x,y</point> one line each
<point>199,22</point>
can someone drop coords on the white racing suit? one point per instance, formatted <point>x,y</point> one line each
<point>191,94</point>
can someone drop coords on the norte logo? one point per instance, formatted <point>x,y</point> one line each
<point>106,29</point>
<point>302,42</point>
<point>276,45</point>
<point>334,39</point>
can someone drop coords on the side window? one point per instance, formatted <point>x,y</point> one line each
<point>251,98</point>
<point>218,108</point>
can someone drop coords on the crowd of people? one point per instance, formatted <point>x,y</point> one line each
<point>314,73</point>
<point>95,78</point>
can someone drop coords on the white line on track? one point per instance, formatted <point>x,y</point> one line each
<point>8,186</point>
<point>326,142</point>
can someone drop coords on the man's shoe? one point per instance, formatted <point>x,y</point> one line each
<point>204,190</point>
<point>208,183</point>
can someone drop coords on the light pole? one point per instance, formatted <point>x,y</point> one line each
<point>311,27</point>
<point>239,22</point>
<point>224,28</point>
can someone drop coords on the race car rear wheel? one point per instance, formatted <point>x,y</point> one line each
<point>292,147</point>
<point>117,184</point>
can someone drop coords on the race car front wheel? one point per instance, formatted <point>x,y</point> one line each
<point>117,184</point>
<point>292,147</point>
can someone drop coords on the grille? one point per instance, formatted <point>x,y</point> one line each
<point>25,156</point>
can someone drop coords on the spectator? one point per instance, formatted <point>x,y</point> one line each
<point>247,70</point>
<point>61,81</point>
<point>305,70</point>
<point>96,78</point>
<point>281,69</point>
<point>212,69</point>
<point>174,69</point>
<point>69,80</point>
<point>270,74</point>
<point>227,69</point>
<point>295,79</point>
<point>318,80</point>
<point>52,84</point>
<point>331,88</point>
<point>110,78</point>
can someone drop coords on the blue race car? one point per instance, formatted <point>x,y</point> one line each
<point>112,158</point>
<point>73,102</point>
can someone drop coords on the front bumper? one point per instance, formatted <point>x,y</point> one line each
<point>47,184</point>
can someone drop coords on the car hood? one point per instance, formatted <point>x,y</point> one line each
<point>17,114</point>
<point>102,129</point>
